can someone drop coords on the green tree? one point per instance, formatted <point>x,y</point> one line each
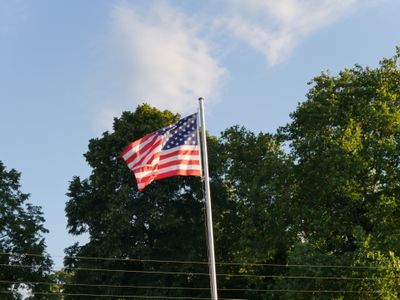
<point>345,140</point>
<point>258,177</point>
<point>60,279</point>
<point>164,222</point>
<point>21,233</point>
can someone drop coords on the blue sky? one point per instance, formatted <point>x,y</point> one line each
<point>68,67</point>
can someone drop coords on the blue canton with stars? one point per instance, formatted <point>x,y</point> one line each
<point>183,132</point>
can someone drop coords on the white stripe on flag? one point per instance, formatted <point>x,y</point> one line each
<point>147,154</point>
<point>138,147</point>
<point>167,169</point>
<point>179,157</point>
<point>180,148</point>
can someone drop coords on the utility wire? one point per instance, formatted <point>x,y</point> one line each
<point>220,275</point>
<point>192,262</point>
<point>119,271</point>
<point>113,259</point>
<point>198,298</point>
<point>108,285</point>
<point>113,296</point>
<point>179,288</point>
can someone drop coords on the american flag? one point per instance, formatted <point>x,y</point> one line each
<point>170,151</point>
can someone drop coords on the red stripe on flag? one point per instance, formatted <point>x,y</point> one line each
<point>148,161</point>
<point>148,157</point>
<point>155,142</point>
<point>177,173</point>
<point>160,167</point>
<point>147,172</point>
<point>136,143</point>
<point>179,152</point>
<point>193,162</point>
<point>144,181</point>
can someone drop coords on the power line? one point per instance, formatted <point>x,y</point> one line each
<point>200,298</point>
<point>192,262</point>
<point>113,258</point>
<point>298,266</point>
<point>114,296</point>
<point>300,277</point>
<point>108,285</point>
<point>179,288</point>
<point>120,271</point>
<point>206,274</point>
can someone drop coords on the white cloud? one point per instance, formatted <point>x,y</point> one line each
<point>275,28</point>
<point>161,60</point>
<point>158,55</point>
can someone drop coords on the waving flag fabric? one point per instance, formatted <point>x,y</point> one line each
<point>170,151</point>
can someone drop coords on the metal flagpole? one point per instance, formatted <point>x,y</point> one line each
<point>211,256</point>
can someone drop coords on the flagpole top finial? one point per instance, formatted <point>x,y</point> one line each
<point>201,99</point>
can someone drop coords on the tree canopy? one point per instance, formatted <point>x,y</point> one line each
<point>166,221</point>
<point>163,223</point>
<point>23,258</point>
<point>345,140</point>
<point>311,212</point>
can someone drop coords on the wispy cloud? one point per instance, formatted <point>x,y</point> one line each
<point>158,55</point>
<point>275,28</point>
<point>162,60</point>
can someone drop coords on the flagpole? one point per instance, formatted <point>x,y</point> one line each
<point>211,256</point>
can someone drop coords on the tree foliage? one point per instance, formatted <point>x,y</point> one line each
<point>163,223</point>
<point>21,232</point>
<point>311,212</point>
<point>345,140</point>
<point>166,221</point>
<point>258,177</point>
